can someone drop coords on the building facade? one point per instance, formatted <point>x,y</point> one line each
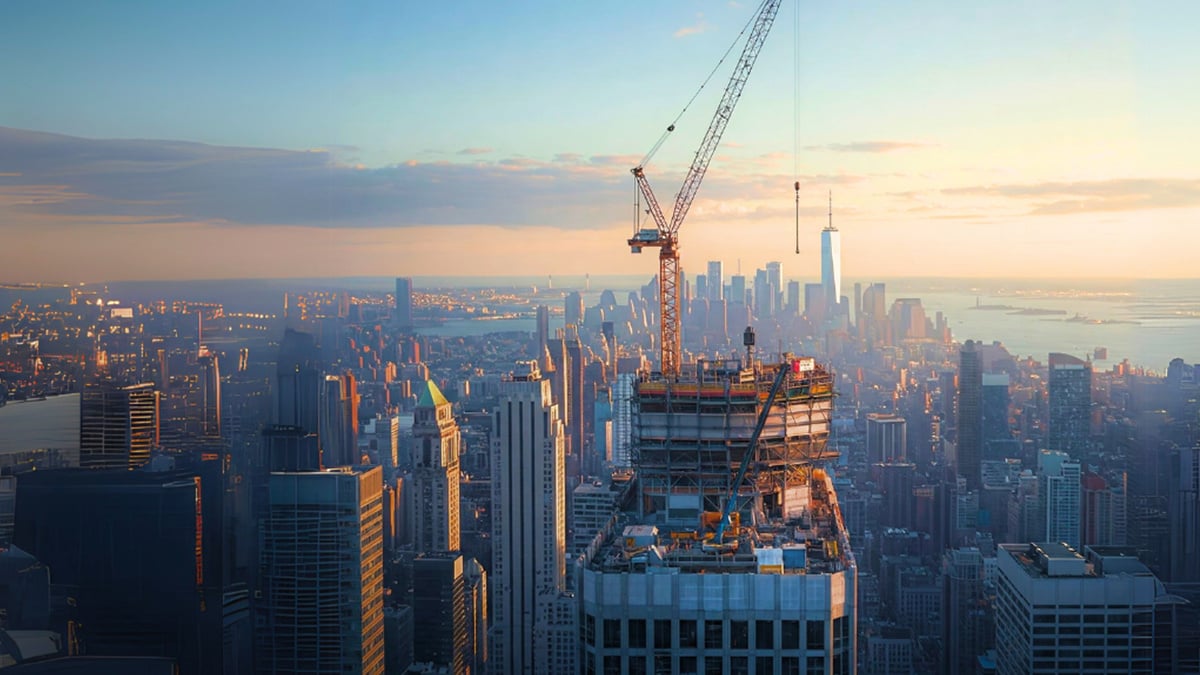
<point>321,573</point>
<point>435,478</point>
<point>531,632</point>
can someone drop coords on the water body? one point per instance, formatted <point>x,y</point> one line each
<point>1147,322</point>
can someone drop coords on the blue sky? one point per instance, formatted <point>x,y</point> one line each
<point>404,133</point>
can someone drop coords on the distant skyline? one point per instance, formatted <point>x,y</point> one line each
<point>487,139</point>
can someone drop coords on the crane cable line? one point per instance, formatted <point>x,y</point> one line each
<point>796,117</point>
<point>671,126</point>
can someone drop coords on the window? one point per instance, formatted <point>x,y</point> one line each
<point>815,637</point>
<point>714,665</point>
<point>589,629</point>
<point>612,665</point>
<point>662,633</point>
<point>791,635</point>
<point>687,634</point>
<point>739,634</point>
<point>637,633</point>
<point>612,634</point>
<point>764,635</point>
<point>662,663</point>
<point>714,635</point>
<point>687,665</point>
<point>764,665</point>
<point>791,665</point>
<point>739,665</point>
<point>637,665</point>
<point>816,664</point>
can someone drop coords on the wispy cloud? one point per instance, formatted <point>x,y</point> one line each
<point>869,146</point>
<point>1119,194</point>
<point>475,151</point>
<point>78,178</point>
<point>700,26</point>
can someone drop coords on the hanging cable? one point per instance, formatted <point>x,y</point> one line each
<point>796,116</point>
<point>671,126</point>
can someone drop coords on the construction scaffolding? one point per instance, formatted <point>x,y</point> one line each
<point>690,435</point>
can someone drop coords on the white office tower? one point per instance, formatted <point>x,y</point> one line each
<point>532,616</point>
<point>831,263</point>
<point>1060,612</point>
<point>673,587</point>
<point>1058,495</point>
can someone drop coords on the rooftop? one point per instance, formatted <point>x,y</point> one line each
<point>430,396</point>
<point>815,542</point>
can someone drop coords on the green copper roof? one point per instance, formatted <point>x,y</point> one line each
<point>431,396</point>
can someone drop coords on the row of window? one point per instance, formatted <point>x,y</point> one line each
<point>713,665</point>
<point>717,634</point>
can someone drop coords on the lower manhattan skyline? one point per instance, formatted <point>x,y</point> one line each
<point>322,347</point>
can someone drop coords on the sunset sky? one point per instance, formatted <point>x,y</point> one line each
<point>156,140</point>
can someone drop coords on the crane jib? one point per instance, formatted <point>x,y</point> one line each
<point>668,281</point>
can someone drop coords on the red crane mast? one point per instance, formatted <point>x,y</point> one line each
<point>666,235</point>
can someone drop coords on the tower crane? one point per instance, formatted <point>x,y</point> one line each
<point>665,236</point>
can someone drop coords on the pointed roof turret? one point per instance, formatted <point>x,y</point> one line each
<point>431,396</point>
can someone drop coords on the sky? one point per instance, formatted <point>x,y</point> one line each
<point>184,140</point>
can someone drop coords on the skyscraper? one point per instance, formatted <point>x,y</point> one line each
<point>1049,595</point>
<point>130,547</point>
<point>970,414</point>
<point>831,262</point>
<point>1183,516</point>
<point>996,434</point>
<point>436,441</point>
<point>737,288</point>
<point>321,562</point>
<point>118,425</point>
<point>716,280</point>
<point>532,628</point>
<point>339,420</point>
<point>440,632</point>
<point>404,313</point>
<point>1070,400</point>
<point>298,382</point>
<point>573,309</point>
<point>1058,496</point>
<point>664,593</point>
<point>968,628</point>
<point>775,279</point>
<point>886,438</point>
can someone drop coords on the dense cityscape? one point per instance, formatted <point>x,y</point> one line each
<point>339,392</point>
<point>314,480</point>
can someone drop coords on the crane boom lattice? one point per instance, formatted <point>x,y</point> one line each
<point>665,234</point>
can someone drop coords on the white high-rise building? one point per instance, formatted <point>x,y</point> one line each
<point>831,262</point>
<point>533,630</point>
<point>435,500</point>
<point>1058,495</point>
<point>1059,612</point>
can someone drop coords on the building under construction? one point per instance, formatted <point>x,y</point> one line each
<point>681,583</point>
<point>691,435</point>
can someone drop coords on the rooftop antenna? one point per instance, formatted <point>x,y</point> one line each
<point>831,210</point>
